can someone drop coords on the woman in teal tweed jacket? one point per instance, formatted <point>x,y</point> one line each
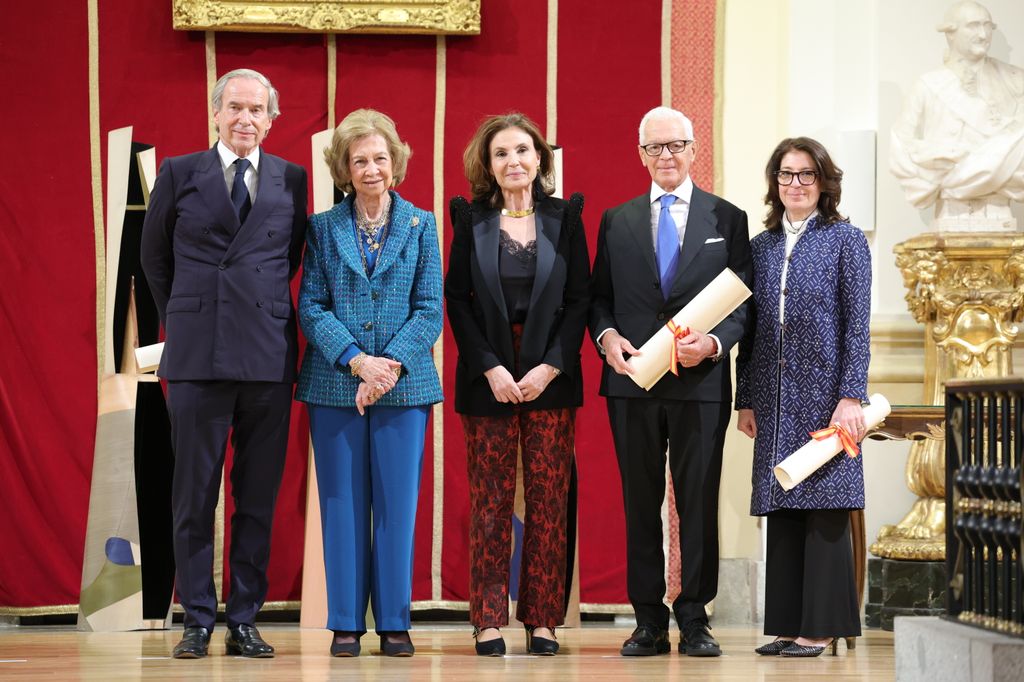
<point>370,307</point>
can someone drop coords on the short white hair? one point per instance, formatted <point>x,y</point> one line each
<point>662,113</point>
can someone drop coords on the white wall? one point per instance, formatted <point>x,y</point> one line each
<point>818,68</point>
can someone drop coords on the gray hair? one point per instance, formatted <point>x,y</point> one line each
<point>217,96</point>
<point>665,112</point>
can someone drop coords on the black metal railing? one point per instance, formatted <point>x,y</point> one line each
<point>984,446</point>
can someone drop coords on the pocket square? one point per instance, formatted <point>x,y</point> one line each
<point>712,240</point>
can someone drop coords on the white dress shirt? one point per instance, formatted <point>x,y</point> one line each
<point>679,211</point>
<point>227,162</point>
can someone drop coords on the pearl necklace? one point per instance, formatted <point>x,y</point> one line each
<point>371,228</point>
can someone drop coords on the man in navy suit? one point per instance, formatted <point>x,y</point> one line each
<point>222,238</point>
<point>654,254</point>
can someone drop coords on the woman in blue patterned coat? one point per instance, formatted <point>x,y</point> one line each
<point>803,366</point>
<point>370,307</point>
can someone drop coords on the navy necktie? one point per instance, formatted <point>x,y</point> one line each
<point>668,246</point>
<point>239,192</point>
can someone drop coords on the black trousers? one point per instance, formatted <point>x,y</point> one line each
<point>694,434</point>
<point>202,414</point>
<point>810,585</point>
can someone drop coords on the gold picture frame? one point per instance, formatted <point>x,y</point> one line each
<point>458,17</point>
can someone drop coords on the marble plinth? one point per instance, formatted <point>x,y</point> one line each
<point>903,588</point>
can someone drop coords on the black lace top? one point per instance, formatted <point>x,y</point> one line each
<point>517,265</point>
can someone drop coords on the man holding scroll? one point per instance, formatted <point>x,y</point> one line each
<point>654,254</point>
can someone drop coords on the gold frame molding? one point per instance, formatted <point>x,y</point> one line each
<point>459,17</point>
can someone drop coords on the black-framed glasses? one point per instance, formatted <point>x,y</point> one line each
<point>675,147</point>
<point>804,177</point>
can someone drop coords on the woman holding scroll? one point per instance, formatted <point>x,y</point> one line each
<point>802,367</point>
<point>517,294</point>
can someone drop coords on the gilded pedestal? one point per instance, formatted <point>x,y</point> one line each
<point>967,289</point>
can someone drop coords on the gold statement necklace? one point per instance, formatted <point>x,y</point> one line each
<point>517,214</point>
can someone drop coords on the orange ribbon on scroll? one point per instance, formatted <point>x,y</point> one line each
<point>677,333</point>
<point>847,441</point>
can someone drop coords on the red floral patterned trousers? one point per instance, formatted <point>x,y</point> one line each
<point>492,447</point>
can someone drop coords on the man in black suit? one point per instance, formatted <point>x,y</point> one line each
<point>221,240</point>
<point>654,254</point>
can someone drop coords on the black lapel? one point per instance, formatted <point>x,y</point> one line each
<point>549,228</point>
<point>485,240</point>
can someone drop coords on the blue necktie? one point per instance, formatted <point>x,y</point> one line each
<point>668,246</point>
<point>239,192</point>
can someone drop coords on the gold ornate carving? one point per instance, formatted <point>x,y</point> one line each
<point>329,16</point>
<point>968,291</point>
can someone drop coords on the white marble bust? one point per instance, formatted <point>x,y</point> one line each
<point>959,143</point>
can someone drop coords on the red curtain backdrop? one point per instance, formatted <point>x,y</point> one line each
<point>154,78</point>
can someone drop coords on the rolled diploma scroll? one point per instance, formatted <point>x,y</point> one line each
<point>812,456</point>
<point>716,302</point>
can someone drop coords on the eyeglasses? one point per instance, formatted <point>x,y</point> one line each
<point>804,177</point>
<point>675,147</point>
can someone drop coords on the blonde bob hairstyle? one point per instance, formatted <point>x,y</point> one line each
<point>357,125</point>
<point>477,159</point>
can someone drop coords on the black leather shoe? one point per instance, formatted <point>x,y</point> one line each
<point>696,640</point>
<point>345,649</point>
<point>396,644</point>
<point>245,640</point>
<point>646,640</point>
<point>540,646</point>
<point>194,643</point>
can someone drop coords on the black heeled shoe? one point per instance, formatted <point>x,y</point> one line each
<point>540,646</point>
<point>773,648</point>
<point>402,648</point>
<point>345,649</point>
<point>795,650</point>
<point>492,647</point>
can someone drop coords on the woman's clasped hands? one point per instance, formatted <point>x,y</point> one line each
<point>379,375</point>
<point>507,390</point>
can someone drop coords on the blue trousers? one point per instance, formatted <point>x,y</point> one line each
<point>368,469</point>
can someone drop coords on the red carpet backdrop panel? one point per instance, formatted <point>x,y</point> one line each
<point>585,71</point>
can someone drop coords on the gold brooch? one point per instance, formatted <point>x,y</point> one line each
<point>415,221</point>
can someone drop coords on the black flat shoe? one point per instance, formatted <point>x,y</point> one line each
<point>400,649</point>
<point>195,642</point>
<point>646,640</point>
<point>795,650</point>
<point>696,640</point>
<point>345,649</point>
<point>773,648</point>
<point>492,647</point>
<point>540,646</point>
<point>245,640</point>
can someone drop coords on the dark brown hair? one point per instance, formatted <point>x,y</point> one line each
<point>477,158</point>
<point>830,179</point>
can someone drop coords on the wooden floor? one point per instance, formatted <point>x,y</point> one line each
<point>444,653</point>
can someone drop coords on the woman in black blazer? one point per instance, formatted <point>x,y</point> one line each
<point>517,300</point>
